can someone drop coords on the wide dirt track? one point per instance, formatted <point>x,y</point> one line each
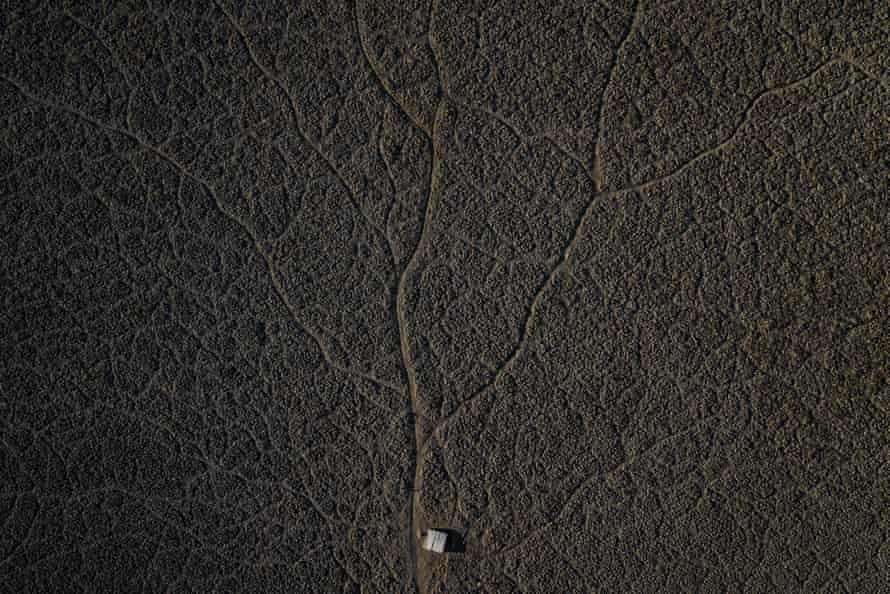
<point>602,287</point>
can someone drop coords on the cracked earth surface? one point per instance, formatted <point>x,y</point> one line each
<point>602,286</point>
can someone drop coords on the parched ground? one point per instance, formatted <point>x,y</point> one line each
<point>603,287</point>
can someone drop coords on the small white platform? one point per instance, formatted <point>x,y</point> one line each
<point>434,540</point>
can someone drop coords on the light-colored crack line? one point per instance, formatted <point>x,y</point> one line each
<point>598,146</point>
<point>434,50</point>
<point>94,33</point>
<point>353,197</point>
<point>282,294</point>
<point>598,476</point>
<point>417,577</point>
<point>722,145</point>
<point>803,36</point>
<point>562,265</point>
<point>362,28</point>
<point>728,141</point>
<point>528,325</point>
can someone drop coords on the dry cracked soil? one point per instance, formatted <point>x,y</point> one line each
<point>602,287</point>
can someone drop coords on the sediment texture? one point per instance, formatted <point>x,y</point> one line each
<point>602,286</point>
